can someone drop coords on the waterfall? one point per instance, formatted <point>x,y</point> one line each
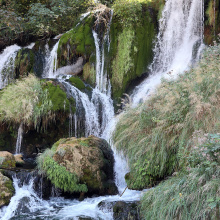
<point>179,40</point>
<point>83,104</point>
<point>102,82</point>
<point>19,139</point>
<point>51,62</point>
<point>25,198</point>
<point>7,58</point>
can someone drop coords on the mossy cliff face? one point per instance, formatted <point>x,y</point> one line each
<point>76,43</point>
<point>6,190</point>
<point>212,20</point>
<point>24,62</point>
<point>90,160</point>
<point>130,50</point>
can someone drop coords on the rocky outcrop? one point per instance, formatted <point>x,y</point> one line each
<point>122,210</point>
<point>90,160</point>
<point>6,190</point>
<point>7,160</point>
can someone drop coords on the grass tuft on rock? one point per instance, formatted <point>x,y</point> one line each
<point>25,102</point>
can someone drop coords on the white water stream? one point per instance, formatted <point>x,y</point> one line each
<point>7,58</point>
<point>19,139</point>
<point>180,36</point>
<point>179,41</point>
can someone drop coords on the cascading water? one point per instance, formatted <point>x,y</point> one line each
<point>83,103</point>
<point>19,139</point>
<point>51,62</point>
<point>7,58</point>
<point>179,40</point>
<point>102,82</point>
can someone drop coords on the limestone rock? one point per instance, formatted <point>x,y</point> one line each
<point>7,160</point>
<point>91,159</point>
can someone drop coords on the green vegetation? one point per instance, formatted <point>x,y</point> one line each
<point>25,102</point>
<point>132,36</point>
<point>80,42</point>
<point>77,82</point>
<point>194,194</point>
<point>89,74</point>
<point>21,19</point>
<point>58,174</point>
<point>157,135</point>
<point>24,62</point>
<point>58,97</point>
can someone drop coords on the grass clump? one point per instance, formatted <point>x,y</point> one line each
<point>25,102</point>
<point>194,194</point>
<point>157,134</point>
<point>57,174</point>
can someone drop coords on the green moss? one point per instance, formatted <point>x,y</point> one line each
<point>79,40</point>
<point>10,187</point>
<point>77,82</point>
<point>133,52</point>
<point>88,178</point>
<point>61,178</point>
<point>59,99</point>
<point>89,74</point>
<point>24,62</point>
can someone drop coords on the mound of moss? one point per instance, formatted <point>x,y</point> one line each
<point>79,165</point>
<point>77,82</point>
<point>58,97</point>
<point>25,102</point>
<point>156,135</point>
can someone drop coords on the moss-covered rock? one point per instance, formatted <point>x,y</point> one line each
<point>78,42</point>
<point>24,62</point>
<point>131,49</point>
<point>7,160</point>
<point>90,160</point>
<point>211,21</point>
<point>6,190</point>
<point>77,82</point>
<point>51,128</point>
<point>58,97</point>
<point>89,73</point>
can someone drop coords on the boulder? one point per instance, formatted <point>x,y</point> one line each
<point>90,160</point>
<point>122,210</point>
<point>126,211</point>
<point>7,160</point>
<point>6,190</point>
